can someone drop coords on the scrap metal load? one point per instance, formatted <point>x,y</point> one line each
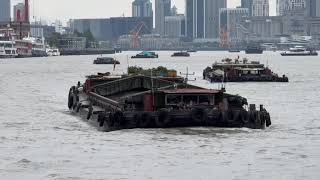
<point>241,71</point>
<point>140,101</point>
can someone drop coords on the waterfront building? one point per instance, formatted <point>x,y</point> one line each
<point>247,4</point>
<point>284,6</point>
<point>313,8</point>
<point>5,11</point>
<point>110,29</point>
<point>162,9</point>
<point>230,22</point>
<point>72,43</point>
<point>142,8</point>
<point>175,26</point>
<point>260,8</point>
<point>19,12</point>
<point>100,28</point>
<point>202,18</point>
<point>155,42</point>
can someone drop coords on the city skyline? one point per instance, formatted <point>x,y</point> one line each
<point>51,10</point>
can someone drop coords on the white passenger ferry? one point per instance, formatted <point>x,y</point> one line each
<point>300,51</point>
<point>8,49</point>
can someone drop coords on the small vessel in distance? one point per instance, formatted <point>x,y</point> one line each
<point>53,52</point>
<point>300,51</point>
<point>112,102</point>
<point>146,54</point>
<point>191,50</point>
<point>180,54</point>
<point>241,71</point>
<point>254,49</point>
<point>105,60</point>
<point>234,50</point>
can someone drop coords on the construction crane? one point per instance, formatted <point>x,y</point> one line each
<point>134,35</point>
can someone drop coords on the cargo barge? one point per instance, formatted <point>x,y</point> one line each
<point>241,71</point>
<point>139,101</point>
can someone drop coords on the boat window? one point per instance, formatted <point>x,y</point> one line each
<point>190,99</point>
<point>206,100</point>
<point>1,44</point>
<point>8,45</point>
<point>174,99</point>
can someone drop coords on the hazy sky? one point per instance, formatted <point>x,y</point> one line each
<point>70,9</point>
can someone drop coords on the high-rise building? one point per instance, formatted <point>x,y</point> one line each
<point>5,10</point>
<point>260,8</point>
<point>247,4</point>
<point>162,9</point>
<point>284,6</point>
<point>230,19</point>
<point>19,12</point>
<point>313,8</point>
<point>202,18</point>
<point>142,8</point>
<point>111,28</point>
<point>175,26</point>
<point>189,19</point>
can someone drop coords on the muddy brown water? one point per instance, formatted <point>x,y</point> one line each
<point>41,139</point>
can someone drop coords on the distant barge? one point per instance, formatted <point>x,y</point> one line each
<point>180,54</point>
<point>139,101</point>
<point>241,71</point>
<point>105,60</point>
<point>145,54</point>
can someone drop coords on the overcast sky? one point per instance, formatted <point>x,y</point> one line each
<point>71,9</point>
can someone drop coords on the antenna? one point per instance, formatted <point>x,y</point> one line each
<point>187,74</point>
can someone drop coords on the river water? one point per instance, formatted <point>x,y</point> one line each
<point>41,139</point>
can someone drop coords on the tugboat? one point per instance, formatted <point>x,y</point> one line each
<point>300,51</point>
<point>254,49</point>
<point>241,71</point>
<point>105,60</point>
<point>140,101</point>
<point>180,54</point>
<point>146,54</point>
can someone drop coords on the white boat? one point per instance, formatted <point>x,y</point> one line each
<point>8,49</point>
<point>53,52</point>
<point>24,48</point>
<point>38,46</point>
<point>299,51</point>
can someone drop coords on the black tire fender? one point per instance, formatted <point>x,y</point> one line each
<point>118,119</point>
<point>90,111</point>
<point>101,119</point>
<point>268,120</point>
<point>136,120</point>
<point>78,107</point>
<point>222,117</point>
<point>110,121</point>
<point>162,118</point>
<point>199,115</point>
<point>70,98</point>
<point>145,120</point>
<point>244,117</point>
